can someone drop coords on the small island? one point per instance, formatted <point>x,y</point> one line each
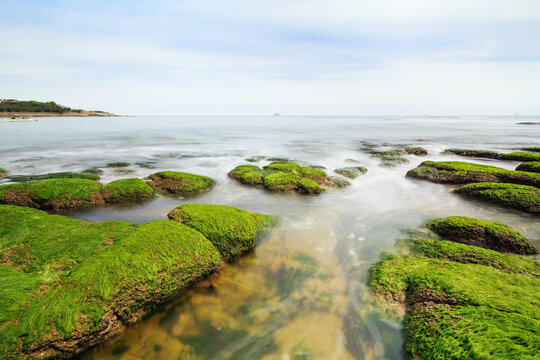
<point>13,107</point>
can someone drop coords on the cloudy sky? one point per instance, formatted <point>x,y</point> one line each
<point>288,56</point>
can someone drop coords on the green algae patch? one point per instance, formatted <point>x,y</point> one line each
<point>487,234</point>
<point>3,173</point>
<point>53,193</point>
<point>392,161</point>
<point>59,175</point>
<point>531,149</point>
<point>522,156</point>
<point>462,302</point>
<point>457,172</point>
<point>531,166</point>
<point>520,197</point>
<point>416,150</point>
<point>68,284</point>
<point>338,182</point>
<point>127,190</point>
<point>473,153</point>
<point>180,182</point>
<point>352,172</point>
<point>282,177</point>
<point>233,231</point>
<point>118,164</point>
<point>93,171</point>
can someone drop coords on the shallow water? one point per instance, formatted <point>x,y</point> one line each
<point>302,294</point>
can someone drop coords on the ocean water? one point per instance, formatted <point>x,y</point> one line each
<point>302,294</point>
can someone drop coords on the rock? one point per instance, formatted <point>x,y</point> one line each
<point>282,177</point>
<point>105,276</point>
<point>457,172</point>
<point>520,197</point>
<point>522,156</point>
<point>352,172</point>
<point>118,164</point>
<point>529,123</point>
<point>531,149</point>
<point>59,175</point>
<point>338,182</point>
<point>486,234</point>
<point>416,150</point>
<point>473,153</point>
<point>256,158</point>
<point>93,171</point>
<point>531,166</point>
<point>179,182</point>
<point>3,173</point>
<point>392,161</point>
<point>459,294</point>
<point>127,190</point>
<point>146,164</point>
<point>73,193</point>
<point>233,231</point>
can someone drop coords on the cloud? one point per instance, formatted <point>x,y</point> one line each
<point>342,57</point>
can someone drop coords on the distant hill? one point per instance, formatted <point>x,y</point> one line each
<point>9,107</point>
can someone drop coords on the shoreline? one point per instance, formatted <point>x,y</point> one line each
<point>47,114</point>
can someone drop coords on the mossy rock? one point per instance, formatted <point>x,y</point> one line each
<point>457,172</point>
<point>392,161</point>
<point>53,194</point>
<point>522,156</point>
<point>338,182</point>
<point>179,182</point>
<point>531,166</point>
<point>282,177</point>
<point>59,175</point>
<point>531,149</point>
<point>487,234</point>
<point>93,171</point>
<point>416,150</point>
<point>233,231</point>
<point>56,194</point>
<point>3,173</point>
<point>118,164</point>
<point>256,158</point>
<point>462,302</point>
<point>473,153</point>
<point>146,164</point>
<point>127,190</point>
<point>118,272</point>
<point>520,197</point>
<point>352,172</point>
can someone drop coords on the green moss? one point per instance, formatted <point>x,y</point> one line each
<point>309,186</point>
<point>473,153</point>
<point>391,161</point>
<point>281,176</point>
<point>146,164</point>
<point>248,174</point>
<point>60,175</point>
<point>520,197</point>
<point>281,181</point>
<point>141,267</point>
<point>458,172</point>
<point>180,182</point>
<point>127,190</point>
<point>522,156</point>
<point>483,233</point>
<point>93,171</point>
<point>531,149</point>
<point>118,164</point>
<point>3,173</point>
<point>416,150</point>
<point>339,182</point>
<point>531,166</point>
<point>233,231</point>
<point>463,302</point>
<point>351,172</point>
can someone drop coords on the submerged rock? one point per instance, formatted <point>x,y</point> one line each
<point>416,150</point>
<point>473,153</point>
<point>118,164</point>
<point>256,158</point>
<point>59,175</point>
<point>352,172</point>
<point>520,197</point>
<point>457,294</point>
<point>93,171</point>
<point>531,166</point>
<point>338,182</point>
<point>487,234</point>
<point>78,284</point>
<point>70,193</point>
<point>392,157</point>
<point>531,149</point>
<point>233,231</point>
<point>392,161</point>
<point>457,172</point>
<point>282,177</point>
<point>522,156</point>
<point>179,182</point>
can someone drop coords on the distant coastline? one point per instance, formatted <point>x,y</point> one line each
<point>13,107</point>
<point>51,114</point>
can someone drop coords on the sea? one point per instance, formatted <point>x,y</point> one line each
<point>303,293</point>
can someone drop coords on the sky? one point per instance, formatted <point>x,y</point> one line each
<point>342,57</point>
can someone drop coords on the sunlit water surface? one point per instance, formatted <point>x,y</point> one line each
<point>302,294</point>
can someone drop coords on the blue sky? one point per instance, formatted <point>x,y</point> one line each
<point>260,57</point>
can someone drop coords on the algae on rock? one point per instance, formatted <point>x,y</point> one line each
<point>531,166</point>
<point>179,182</point>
